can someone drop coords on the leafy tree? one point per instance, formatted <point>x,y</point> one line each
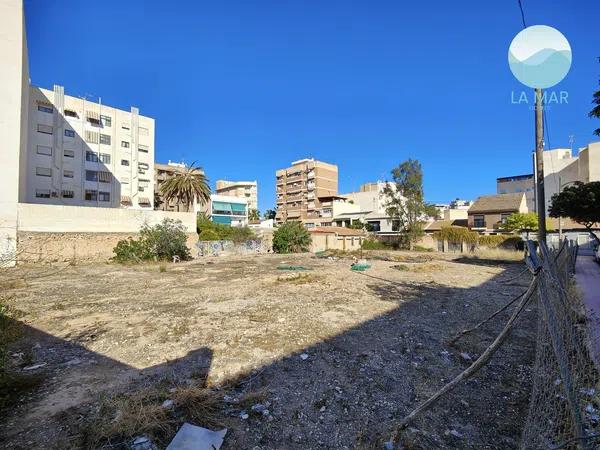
<point>521,221</point>
<point>360,225</point>
<point>253,214</point>
<point>159,242</point>
<point>270,214</point>
<point>186,186</point>
<point>208,235</point>
<point>405,203</point>
<point>595,112</point>
<point>211,231</point>
<point>580,202</point>
<point>291,237</point>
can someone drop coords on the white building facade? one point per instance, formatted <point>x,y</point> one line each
<point>83,153</point>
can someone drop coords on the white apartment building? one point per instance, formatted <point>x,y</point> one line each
<point>247,190</point>
<point>85,153</point>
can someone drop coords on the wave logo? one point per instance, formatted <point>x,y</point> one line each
<point>539,56</point>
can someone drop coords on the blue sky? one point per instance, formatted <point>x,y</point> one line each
<point>246,87</point>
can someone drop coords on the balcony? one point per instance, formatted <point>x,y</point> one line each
<point>294,179</point>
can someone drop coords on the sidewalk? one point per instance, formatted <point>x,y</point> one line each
<point>587,274</point>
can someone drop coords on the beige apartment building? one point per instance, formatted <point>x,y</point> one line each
<point>306,191</point>
<point>163,172</point>
<point>84,153</point>
<point>248,190</point>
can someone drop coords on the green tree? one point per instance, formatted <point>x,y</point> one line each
<point>358,224</point>
<point>521,221</point>
<point>405,202</point>
<point>253,214</point>
<point>291,237</point>
<point>580,202</point>
<point>270,214</point>
<point>186,186</point>
<point>595,112</point>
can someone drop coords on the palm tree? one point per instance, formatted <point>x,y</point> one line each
<point>253,214</point>
<point>186,186</point>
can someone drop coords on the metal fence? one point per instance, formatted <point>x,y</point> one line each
<point>564,410</point>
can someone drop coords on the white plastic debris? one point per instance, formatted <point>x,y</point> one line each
<point>191,437</point>
<point>303,356</point>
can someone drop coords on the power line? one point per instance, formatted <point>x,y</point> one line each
<point>522,14</point>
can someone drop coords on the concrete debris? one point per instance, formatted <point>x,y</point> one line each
<point>466,356</point>
<point>35,366</point>
<point>244,415</point>
<point>454,433</point>
<point>143,443</point>
<point>258,408</point>
<point>191,437</point>
<point>303,356</point>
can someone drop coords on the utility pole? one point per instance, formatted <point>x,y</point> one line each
<point>539,163</point>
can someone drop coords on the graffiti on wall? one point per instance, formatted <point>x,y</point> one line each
<point>218,248</point>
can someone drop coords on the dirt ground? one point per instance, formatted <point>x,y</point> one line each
<point>335,357</point>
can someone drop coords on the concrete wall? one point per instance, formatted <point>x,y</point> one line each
<point>14,82</point>
<point>49,233</point>
<point>329,241</point>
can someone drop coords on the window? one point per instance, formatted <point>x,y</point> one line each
<point>124,144</point>
<point>143,131</point>
<point>44,150</point>
<point>68,173</point>
<point>140,189</point>
<point>479,221</point>
<point>144,180</point>
<point>94,121</point>
<point>104,158</point>
<point>42,193</point>
<point>125,126</point>
<point>68,194</point>
<point>91,175</point>
<point>90,195</point>
<point>46,109</point>
<point>104,196</point>
<point>504,216</point>
<point>69,133</point>
<point>143,166</point>
<point>124,162</point>
<point>91,156</point>
<point>375,225</point>
<point>105,139</point>
<point>125,180</point>
<point>143,148</point>
<point>43,171</point>
<point>395,225</point>
<point>91,137</point>
<point>104,177</point>
<point>46,129</point>
<point>71,113</point>
<point>106,121</point>
<point>69,154</point>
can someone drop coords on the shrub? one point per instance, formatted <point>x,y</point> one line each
<point>456,234</point>
<point>420,248</point>
<point>291,237</point>
<point>374,244</point>
<point>208,235</point>
<point>159,242</point>
<point>499,240</point>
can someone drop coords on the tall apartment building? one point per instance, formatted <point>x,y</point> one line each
<point>247,190</point>
<point>516,184</point>
<point>85,153</point>
<point>162,172</point>
<point>306,191</point>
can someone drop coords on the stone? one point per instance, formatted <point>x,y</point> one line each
<point>466,356</point>
<point>259,408</point>
<point>303,356</point>
<point>35,366</point>
<point>191,437</point>
<point>168,404</point>
<point>244,415</point>
<point>143,443</point>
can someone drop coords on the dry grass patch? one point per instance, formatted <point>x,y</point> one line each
<point>496,254</point>
<point>299,278</point>
<point>122,417</point>
<point>419,267</point>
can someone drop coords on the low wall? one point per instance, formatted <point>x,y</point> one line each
<point>329,241</point>
<point>36,247</point>
<point>224,248</point>
<point>51,233</point>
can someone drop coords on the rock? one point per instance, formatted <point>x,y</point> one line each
<point>590,409</point>
<point>454,433</point>
<point>168,404</point>
<point>466,356</point>
<point>303,356</point>
<point>73,362</point>
<point>323,408</point>
<point>244,415</point>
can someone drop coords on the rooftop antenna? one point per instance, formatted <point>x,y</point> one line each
<point>571,140</point>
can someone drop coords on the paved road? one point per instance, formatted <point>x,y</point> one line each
<point>587,273</point>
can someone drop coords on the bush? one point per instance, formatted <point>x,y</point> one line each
<point>208,235</point>
<point>223,232</point>
<point>500,240</point>
<point>291,237</point>
<point>456,234</point>
<point>160,242</point>
<point>374,244</point>
<point>420,248</point>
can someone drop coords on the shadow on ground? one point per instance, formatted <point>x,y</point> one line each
<point>344,392</point>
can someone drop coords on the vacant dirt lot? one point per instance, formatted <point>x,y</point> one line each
<point>336,357</point>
